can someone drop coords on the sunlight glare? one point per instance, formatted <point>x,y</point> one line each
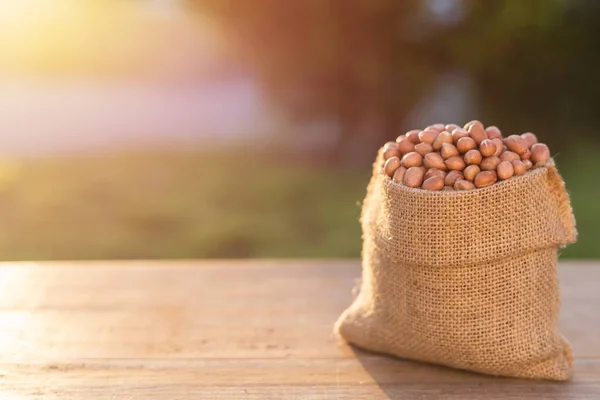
<point>103,38</point>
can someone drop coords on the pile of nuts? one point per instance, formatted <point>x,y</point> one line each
<point>447,157</point>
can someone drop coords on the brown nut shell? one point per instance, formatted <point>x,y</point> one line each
<point>413,177</point>
<point>434,172</point>
<point>487,148</point>
<point>455,163</point>
<point>493,132</point>
<point>423,148</point>
<point>485,178</point>
<point>448,150</point>
<point>473,157</point>
<point>530,139</point>
<point>505,170</point>
<point>464,185</point>
<point>390,152</point>
<point>539,153</point>
<point>471,172</point>
<point>404,145</point>
<point>465,144</point>
<point>444,137</point>
<point>428,136</point>
<point>472,122</point>
<point>452,177</point>
<point>439,127</point>
<point>458,134</point>
<point>499,146</point>
<point>509,156</point>
<point>489,163</point>
<point>413,136</point>
<point>412,159</point>
<point>519,167</point>
<point>516,143</point>
<point>399,174</point>
<point>477,133</point>
<point>400,138</point>
<point>434,160</point>
<point>433,183</point>
<point>391,166</point>
<point>451,127</point>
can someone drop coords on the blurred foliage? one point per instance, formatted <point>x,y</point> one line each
<point>177,204</point>
<point>198,204</point>
<point>535,63</point>
<point>367,62</point>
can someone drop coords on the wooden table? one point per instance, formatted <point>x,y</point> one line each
<point>234,330</point>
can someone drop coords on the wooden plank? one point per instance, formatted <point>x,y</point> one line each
<point>303,392</point>
<point>231,330</point>
<point>139,310</point>
<point>363,369</point>
<point>224,310</point>
<point>373,377</point>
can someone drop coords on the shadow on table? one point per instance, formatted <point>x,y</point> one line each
<point>400,379</point>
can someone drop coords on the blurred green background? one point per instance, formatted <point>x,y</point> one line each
<point>158,204</point>
<point>339,78</point>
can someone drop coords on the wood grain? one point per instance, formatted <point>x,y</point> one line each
<point>234,330</point>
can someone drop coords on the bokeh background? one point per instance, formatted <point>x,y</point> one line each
<point>246,128</point>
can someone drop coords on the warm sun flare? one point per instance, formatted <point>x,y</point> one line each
<point>99,37</point>
<point>13,9</point>
<point>52,35</point>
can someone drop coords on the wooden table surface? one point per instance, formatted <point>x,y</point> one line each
<point>235,330</point>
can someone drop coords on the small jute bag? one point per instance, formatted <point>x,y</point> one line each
<point>465,279</point>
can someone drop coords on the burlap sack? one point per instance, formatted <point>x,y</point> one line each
<point>465,279</point>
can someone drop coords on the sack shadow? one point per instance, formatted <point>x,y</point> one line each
<point>400,379</point>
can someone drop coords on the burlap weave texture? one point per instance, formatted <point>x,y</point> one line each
<point>465,279</point>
